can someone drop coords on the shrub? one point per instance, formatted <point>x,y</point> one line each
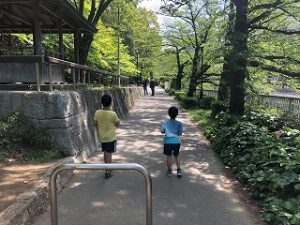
<point>19,136</point>
<point>187,102</point>
<point>217,107</point>
<point>282,211</point>
<point>170,91</point>
<point>268,163</point>
<point>205,102</point>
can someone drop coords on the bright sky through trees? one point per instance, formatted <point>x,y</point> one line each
<point>154,6</point>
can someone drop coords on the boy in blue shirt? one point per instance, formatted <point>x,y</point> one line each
<point>172,129</point>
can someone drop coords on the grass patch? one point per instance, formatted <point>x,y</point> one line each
<point>201,117</point>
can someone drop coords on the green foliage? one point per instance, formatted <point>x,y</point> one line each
<point>282,211</point>
<point>265,159</point>
<point>186,101</point>
<point>201,117</point>
<point>103,52</point>
<point>170,91</point>
<point>18,136</point>
<point>205,102</point>
<point>139,32</point>
<point>217,107</point>
<point>191,102</point>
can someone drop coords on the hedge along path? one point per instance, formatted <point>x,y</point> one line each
<point>202,196</point>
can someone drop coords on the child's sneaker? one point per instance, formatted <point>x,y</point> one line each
<point>179,174</point>
<point>169,172</point>
<point>108,175</point>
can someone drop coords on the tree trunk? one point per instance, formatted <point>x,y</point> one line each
<point>179,76</point>
<point>239,58</point>
<point>224,86</point>
<point>194,76</point>
<point>85,44</point>
<point>180,68</point>
<point>223,92</point>
<point>93,18</point>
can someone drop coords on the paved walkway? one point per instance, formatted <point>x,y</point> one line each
<point>203,195</point>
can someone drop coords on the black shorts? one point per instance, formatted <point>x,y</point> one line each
<point>109,147</point>
<point>169,148</point>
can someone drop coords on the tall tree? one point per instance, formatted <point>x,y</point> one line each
<point>239,56</point>
<point>199,18</point>
<point>224,85</point>
<point>251,18</point>
<point>95,9</point>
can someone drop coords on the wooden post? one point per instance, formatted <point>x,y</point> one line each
<point>61,40</point>
<point>89,77</point>
<point>74,78</point>
<point>38,84</point>
<point>76,51</point>
<point>37,32</point>
<point>83,73</point>
<point>50,76</point>
<point>61,46</point>
<point>290,109</point>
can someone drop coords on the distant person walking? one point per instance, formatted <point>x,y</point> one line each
<point>145,86</point>
<point>106,121</point>
<point>152,84</point>
<point>172,129</point>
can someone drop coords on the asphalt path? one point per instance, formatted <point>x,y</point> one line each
<point>203,196</point>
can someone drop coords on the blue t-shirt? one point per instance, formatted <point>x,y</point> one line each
<point>172,130</point>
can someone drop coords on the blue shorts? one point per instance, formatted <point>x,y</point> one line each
<point>171,148</point>
<point>109,147</point>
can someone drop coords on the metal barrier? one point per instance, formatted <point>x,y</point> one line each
<point>113,166</point>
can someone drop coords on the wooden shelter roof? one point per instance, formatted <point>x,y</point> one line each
<point>18,16</point>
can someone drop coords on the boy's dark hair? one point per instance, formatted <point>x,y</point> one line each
<point>106,100</point>
<point>173,112</point>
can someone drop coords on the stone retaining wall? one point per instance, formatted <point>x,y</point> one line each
<point>68,115</point>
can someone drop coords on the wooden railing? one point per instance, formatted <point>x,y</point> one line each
<point>39,60</point>
<point>82,69</point>
<point>20,51</point>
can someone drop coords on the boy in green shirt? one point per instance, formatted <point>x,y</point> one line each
<point>106,121</point>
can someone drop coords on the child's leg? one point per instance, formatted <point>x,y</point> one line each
<point>107,157</point>
<point>177,160</point>
<point>169,162</point>
<point>108,160</point>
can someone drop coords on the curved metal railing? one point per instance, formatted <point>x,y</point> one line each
<point>113,166</point>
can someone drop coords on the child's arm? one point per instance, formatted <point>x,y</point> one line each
<point>117,121</point>
<point>95,123</point>
<point>163,128</point>
<point>180,129</point>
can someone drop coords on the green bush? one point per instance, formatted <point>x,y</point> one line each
<point>282,211</point>
<point>217,107</point>
<point>205,102</point>
<point>179,93</point>
<point>187,102</point>
<point>170,91</point>
<point>18,136</point>
<point>266,160</point>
